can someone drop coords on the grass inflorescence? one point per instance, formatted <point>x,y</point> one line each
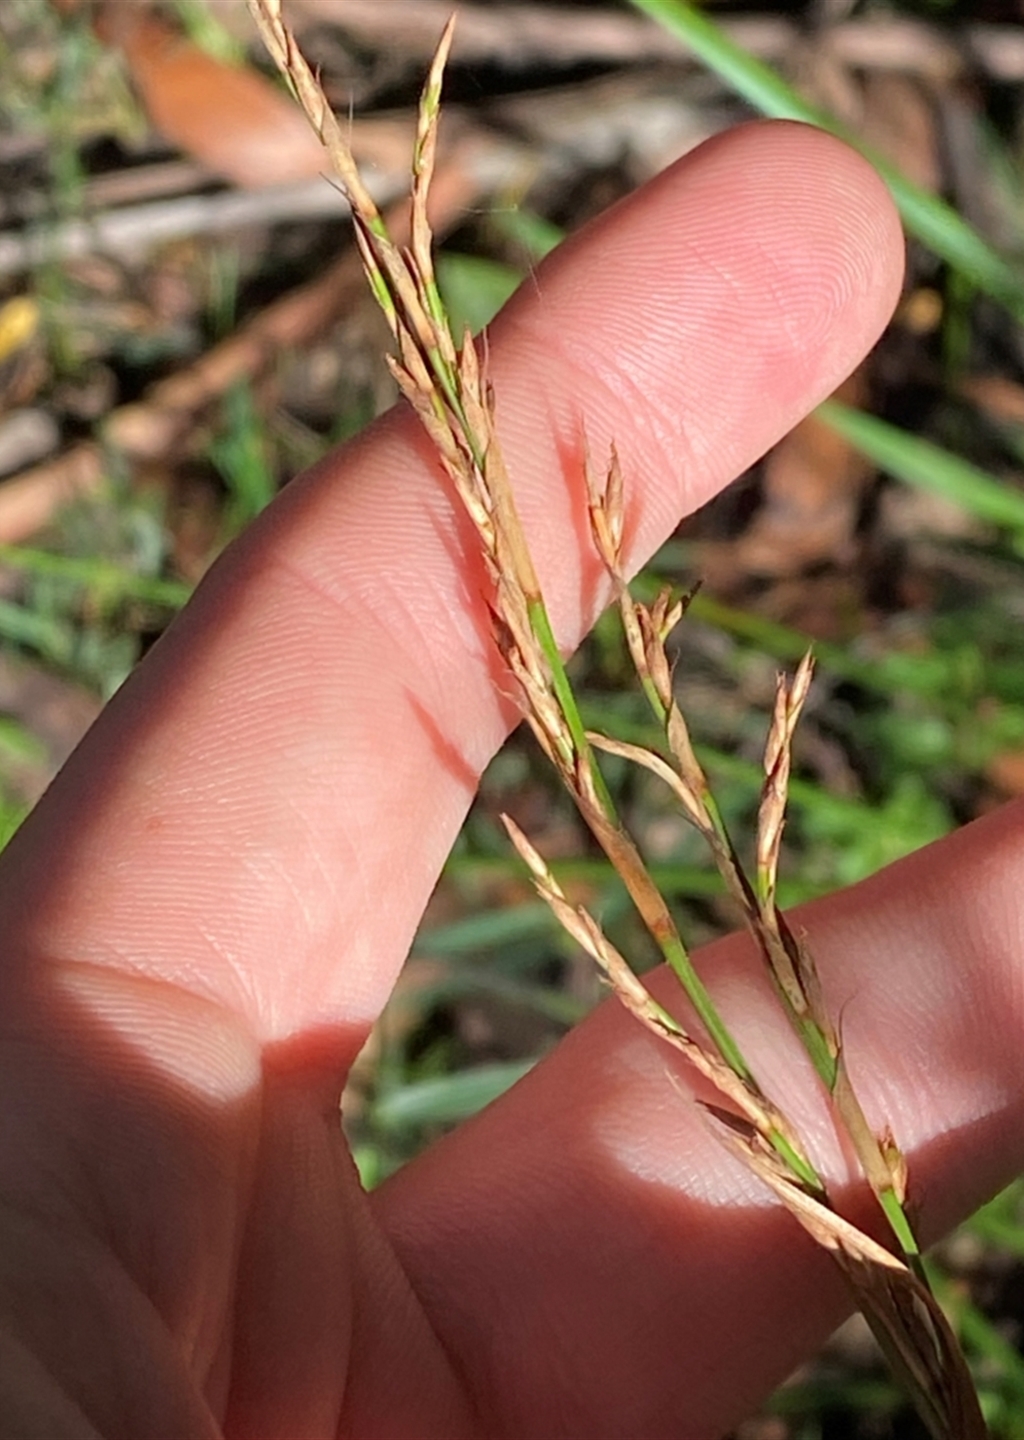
<point>445,382</point>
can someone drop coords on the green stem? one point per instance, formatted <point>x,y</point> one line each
<point>540,623</point>
<point>681,965</point>
<point>678,959</point>
<point>816,1045</point>
<point>671,945</point>
<point>800,1167</point>
<point>901,1228</point>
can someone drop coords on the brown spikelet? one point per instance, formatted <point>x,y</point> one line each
<point>447,387</point>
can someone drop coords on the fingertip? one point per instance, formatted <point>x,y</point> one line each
<point>699,319</point>
<point>692,326</point>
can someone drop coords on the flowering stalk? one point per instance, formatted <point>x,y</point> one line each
<point>787,958</point>
<point>447,387</point>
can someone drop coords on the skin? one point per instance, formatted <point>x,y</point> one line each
<point>210,906</point>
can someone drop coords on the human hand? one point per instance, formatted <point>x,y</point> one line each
<point>207,911</point>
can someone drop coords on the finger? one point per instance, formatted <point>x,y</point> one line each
<point>270,798</point>
<point>592,1206</point>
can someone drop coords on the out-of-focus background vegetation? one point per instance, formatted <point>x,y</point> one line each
<point>182,327</point>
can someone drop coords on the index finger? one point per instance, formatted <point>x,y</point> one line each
<point>269,800</point>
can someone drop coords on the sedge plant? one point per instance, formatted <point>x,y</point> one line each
<point>446,384</point>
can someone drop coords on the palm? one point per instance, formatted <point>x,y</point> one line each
<point>206,914</point>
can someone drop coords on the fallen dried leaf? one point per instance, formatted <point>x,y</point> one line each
<point>232,119</point>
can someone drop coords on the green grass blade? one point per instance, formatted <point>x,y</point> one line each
<point>919,462</point>
<point>885,673</point>
<point>489,929</point>
<point>445,1099</point>
<point>1000,1223</point>
<point>94,573</point>
<point>759,85</point>
<point>536,234</point>
<point>925,216</point>
<point>474,288</point>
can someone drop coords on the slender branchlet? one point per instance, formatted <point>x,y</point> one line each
<point>446,385</point>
